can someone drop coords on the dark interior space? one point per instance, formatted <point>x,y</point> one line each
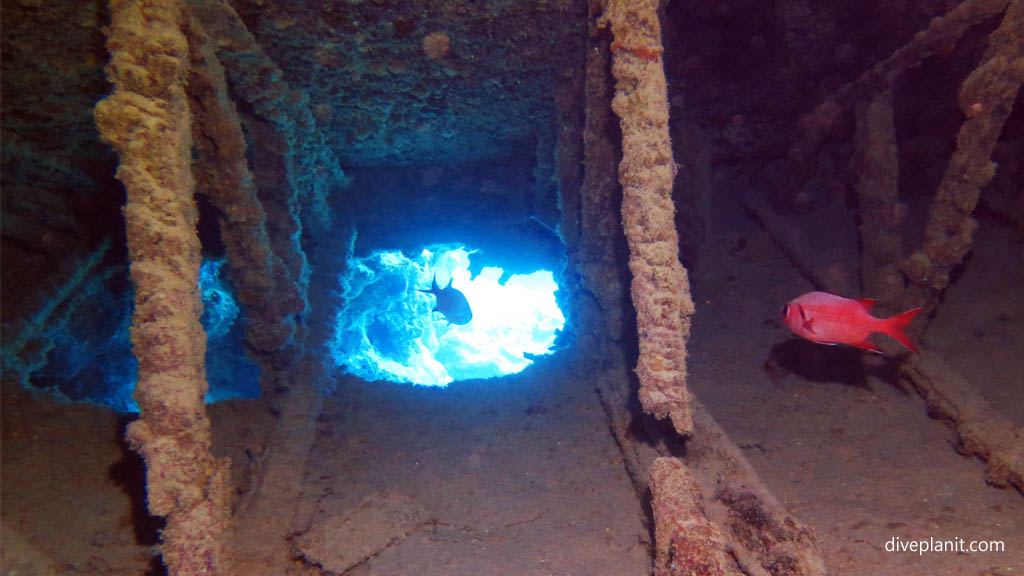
<point>565,287</point>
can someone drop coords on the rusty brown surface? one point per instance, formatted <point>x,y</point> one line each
<point>687,543</point>
<point>986,98</point>
<point>660,286</point>
<point>223,175</point>
<point>147,121</point>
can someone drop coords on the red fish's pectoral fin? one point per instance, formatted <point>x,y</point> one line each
<point>806,321</point>
<point>866,344</point>
<point>867,303</point>
<point>809,326</point>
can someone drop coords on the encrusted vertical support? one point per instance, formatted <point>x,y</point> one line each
<point>271,301</point>
<point>308,165</point>
<point>147,121</point>
<point>876,164</point>
<point>660,287</point>
<point>257,81</point>
<point>986,98</point>
<point>292,166</point>
<point>600,244</point>
<point>596,247</point>
<point>292,171</point>
<point>941,34</point>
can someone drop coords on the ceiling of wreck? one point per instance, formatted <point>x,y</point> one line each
<point>426,121</point>
<point>421,81</point>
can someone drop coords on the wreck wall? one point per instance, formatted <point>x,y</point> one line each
<point>59,200</point>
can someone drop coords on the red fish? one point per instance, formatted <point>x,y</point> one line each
<point>830,319</point>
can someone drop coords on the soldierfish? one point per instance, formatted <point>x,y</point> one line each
<point>829,319</point>
<point>450,302</point>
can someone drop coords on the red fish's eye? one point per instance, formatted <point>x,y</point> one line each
<point>785,310</point>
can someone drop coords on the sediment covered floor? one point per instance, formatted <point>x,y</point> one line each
<point>521,475</point>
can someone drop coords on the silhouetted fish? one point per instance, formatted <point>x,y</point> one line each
<point>450,302</point>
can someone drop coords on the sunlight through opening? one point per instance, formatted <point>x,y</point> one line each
<point>389,328</point>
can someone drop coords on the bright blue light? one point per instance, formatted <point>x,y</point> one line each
<point>219,306</point>
<point>387,330</point>
<point>229,371</point>
<point>92,360</point>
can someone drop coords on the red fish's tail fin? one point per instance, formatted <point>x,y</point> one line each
<point>895,328</point>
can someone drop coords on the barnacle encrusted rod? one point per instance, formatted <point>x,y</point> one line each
<point>660,286</point>
<point>686,541</point>
<point>147,121</point>
<point>222,172</point>
<point>942,33</point>
<point>986,98</point>
<point>876,164</point>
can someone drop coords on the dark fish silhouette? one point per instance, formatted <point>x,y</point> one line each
<point>451,303</point>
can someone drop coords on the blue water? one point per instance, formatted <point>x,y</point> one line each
<point>92,361</point>
<point>388,330</point>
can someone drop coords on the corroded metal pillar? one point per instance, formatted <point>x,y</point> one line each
<point>660,287</point>
<point>147,121</point>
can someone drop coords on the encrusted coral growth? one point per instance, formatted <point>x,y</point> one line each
<point>687,543</point>
<point>594,243</point>
<point>942,34</point>
<point>147,121</point>
<point>293,168</point>
<point>751,524</point>
<point>876,165</point>
<point>292,172</point>
<point>761,533</point>
<point>312,169</point>
<point>688,539</point>
<point>222,173</point>
<point>660,287</point>
<point>981,429</point>
<point>591,228</point>
<point>986,98</point>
